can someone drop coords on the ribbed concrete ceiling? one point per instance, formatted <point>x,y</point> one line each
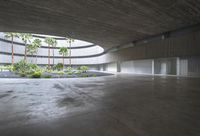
<point>104,22</point>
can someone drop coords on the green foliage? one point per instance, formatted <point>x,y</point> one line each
<point>22,74</point>
<point>61,72</point>
<point>6,67</point>
<point>21,67</point>
<point>63,51</point>
<point>24,68</point>
<point>70,72</point>
<point>83,69</point>
<point>69,40</point>
<point>11,35</point>
<point>50,41</point>
<point>78,72</point>
<point>94,75</point>
<point>26,37</point>
<point>33,47</point>
<point>36,74</point>
<point>58,67</point>
<point>69,69</point>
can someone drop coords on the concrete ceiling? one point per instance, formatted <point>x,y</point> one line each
<point>104,22</point>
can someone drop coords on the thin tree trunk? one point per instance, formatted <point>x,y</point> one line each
<point>36,59</point>
<point>12,52</point>
<point>49,56</point>
<point>25,54</point>
<point>31,58</point>
<point>70,53</point>
<point>63,60</point>
<point>53,56</point>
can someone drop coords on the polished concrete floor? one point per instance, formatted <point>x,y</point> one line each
<point>119,105</point>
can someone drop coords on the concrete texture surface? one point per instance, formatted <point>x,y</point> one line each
<point>118,105</point>
<point>104,22</point>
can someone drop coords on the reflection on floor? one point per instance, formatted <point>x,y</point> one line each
<point>118,105</point>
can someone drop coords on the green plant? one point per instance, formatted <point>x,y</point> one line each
<point>6,67</point>
<point>11,35</point>
<point>84,69</point>
<point>54,45</point>
<point>70,41</point>
<point>94,75</point>
<point>36,75</point>
<point>63,51</point>
<point>21,67</point>
<point>78,72</point>
<point>25,68</point>
<point>26,37</point>
<point>33,47</point>
<point>70,72</point>
<point>50,42</point>
<point>69,69</point>
<point>58,67</point>
<point>61,72</point>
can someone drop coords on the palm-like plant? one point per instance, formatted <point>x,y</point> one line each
<point>70,41</point>
<point>50,42</point>
<point>54,45</point>
<point>64,52</point>
<point>26,38</point>
<point>33,47</point>
<point>11,35</point>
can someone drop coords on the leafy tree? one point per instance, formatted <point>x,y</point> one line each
<point>64,52</point>
<point>11,35</point>
<point>26,38</point>
<point>70,41</point>
<point>50,42</point>
<point>33,47</point>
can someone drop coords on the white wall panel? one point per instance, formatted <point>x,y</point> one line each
<point>137,67</point>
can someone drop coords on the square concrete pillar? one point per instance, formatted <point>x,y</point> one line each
<point>118,66</point>
<point>152,69</point>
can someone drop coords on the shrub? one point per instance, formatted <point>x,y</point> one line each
<point>84,69</point>
<point>69,69</point>
<point>70,72</point>
<point>6,67</point>
<point>22,74</point>
<point>21,66</point>
<point>33,66</point>
<point>58,67</point>
<point>61,72</point>
<point>78,72</point>
<point>24,68</point>
<point>36,75</point>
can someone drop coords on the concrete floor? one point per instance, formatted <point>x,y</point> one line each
<point>119,105</point>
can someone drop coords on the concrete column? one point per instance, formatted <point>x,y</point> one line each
<point>152,70</point>
<point>118,66</point>
<point>104,67</point>
<point>177,66</point>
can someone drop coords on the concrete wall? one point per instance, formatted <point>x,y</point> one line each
<point>190,66</point>
<point>165,66</point>
<point>137,67</point>
<point>187,66</point>
<point>112,67</point>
